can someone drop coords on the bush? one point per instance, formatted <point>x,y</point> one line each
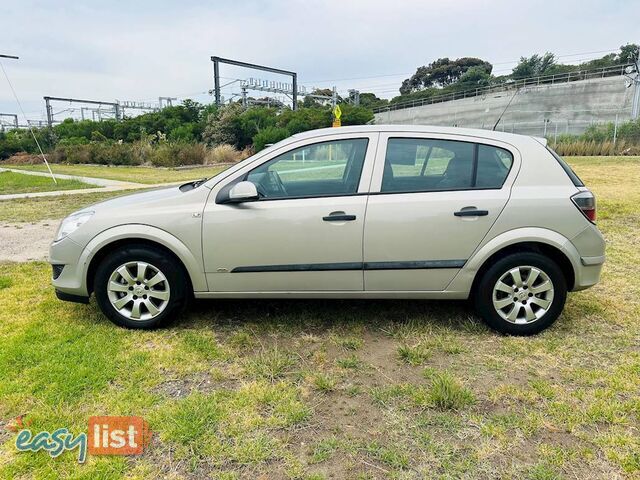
<point>223,153</point>
<point>177,154</point>
<point>96,153</point>
<point>192,154</point>
<point>269,135</point>
<point>576,146</point>
<point>73,141</point>
<point>114,154</point>
<point>164,155</point>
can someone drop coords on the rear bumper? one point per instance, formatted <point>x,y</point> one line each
<point>590,246</point>
<point>589,261</point>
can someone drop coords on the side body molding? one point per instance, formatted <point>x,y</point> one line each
<point>145,232</point>
<point>464,279</point>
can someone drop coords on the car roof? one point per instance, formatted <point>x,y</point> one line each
<point>472,132</point>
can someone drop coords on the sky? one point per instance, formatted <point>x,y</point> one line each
<point>140,49</point>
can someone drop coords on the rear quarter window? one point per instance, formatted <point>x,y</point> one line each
<point>567,169</point>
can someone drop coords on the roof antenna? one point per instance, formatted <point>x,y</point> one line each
<point>505,109</point>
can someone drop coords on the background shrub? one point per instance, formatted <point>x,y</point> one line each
<point>269,135</point>
<point>224,153</point>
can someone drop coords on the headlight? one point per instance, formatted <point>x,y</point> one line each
<point>71,224</point>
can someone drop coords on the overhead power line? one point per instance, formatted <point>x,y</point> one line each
<point>15,95</point>
<point>493,63</point>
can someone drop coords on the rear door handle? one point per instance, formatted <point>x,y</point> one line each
<point>339,217</point>
<point>472,212</point>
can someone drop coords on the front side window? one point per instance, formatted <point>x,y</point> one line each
<point>423,165</point>
<point>322,169</point>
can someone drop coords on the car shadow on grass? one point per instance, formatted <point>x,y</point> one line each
<point>323,313</point>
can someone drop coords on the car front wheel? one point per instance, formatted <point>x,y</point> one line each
<point>521,294</point>
<point>140,287</point>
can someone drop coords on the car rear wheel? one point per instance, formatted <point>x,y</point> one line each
<point>521,294</point>
<point>140,287</point>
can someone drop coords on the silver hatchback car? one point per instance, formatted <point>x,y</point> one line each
<point>356,212</point>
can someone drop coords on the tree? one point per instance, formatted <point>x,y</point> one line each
<point>442,73</point>
<point>534,66</point>
<point>629,53</point>
<point>252,121</point>
<point>269,135</point>
<point>223,125</point>
<point>475,77</point>
<point>310,102</point>
<point>304,119</point>
<point>371,101</point>
<point>352,115</point>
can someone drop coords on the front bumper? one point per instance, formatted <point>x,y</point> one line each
<point>71,272</point>
<point>68,297</point>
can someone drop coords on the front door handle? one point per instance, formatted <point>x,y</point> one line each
<point>471,212</point>
<point>339,217</point>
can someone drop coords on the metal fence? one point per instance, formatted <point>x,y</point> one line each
<point>552,128</point>
<point>555,124</point>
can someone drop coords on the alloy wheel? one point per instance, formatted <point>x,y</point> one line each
<point>138,290</point>
<point>523,295</point>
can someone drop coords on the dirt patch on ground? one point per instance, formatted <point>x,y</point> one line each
<point>23,158</point>
<point>23,242</point>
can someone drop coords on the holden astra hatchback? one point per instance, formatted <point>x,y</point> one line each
<point>356,212</point>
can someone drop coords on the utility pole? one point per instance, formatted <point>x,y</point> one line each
<point>114,105</point>
<point>47,106</point>
<point>635,108</point>
<point>11,115</point>
<point>168,101</point>
<point>244,96</point>
<point>216,77</point>
<point>354,97</point>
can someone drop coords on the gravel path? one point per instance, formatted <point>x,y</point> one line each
<point>101,182</point>
<point>102,185</point>
<point>23,242</point>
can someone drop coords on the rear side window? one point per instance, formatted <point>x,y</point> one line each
<point>567,169</point>
<point>493,166</point>
<point>424,165</point>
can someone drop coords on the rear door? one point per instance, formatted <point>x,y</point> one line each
<point>433,199</point>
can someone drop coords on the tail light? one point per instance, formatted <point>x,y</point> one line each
<point>586,202</point>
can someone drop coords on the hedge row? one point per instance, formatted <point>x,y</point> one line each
<point>164,155</point>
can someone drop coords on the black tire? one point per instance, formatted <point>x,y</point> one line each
<point>177,285</point>
<point>483,294</point>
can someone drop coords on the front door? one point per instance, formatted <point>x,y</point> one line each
<point>432,202</point>
<point>305,231</point>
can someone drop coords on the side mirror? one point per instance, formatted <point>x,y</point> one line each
<point>243,192</point>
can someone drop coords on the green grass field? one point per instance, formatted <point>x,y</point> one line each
<point>55,207</point>
<point>148,175</point>
<point>340,389</point>
<point>11,182</point>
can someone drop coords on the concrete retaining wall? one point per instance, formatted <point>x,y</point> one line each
<point>538,110</point>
